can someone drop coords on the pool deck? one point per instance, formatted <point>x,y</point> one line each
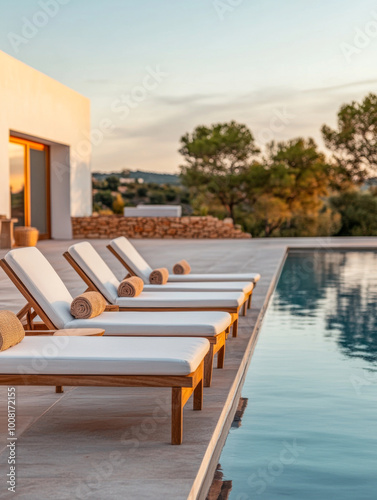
<point>102,444</point>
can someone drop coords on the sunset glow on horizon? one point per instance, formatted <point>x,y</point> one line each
<point>155,70</point>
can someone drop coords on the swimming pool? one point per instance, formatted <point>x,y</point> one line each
<point>309,431</point>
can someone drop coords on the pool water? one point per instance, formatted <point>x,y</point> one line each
<point>309,431</point>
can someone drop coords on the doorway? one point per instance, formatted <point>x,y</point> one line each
<point>29,175</point>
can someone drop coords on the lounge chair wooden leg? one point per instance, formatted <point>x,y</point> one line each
<point>221,357</point>
<point>198,396</point>
<point>177,416</point>
<point>244,309</point>
<point>59,389</point>
<point>235,328</point>
<point>249,301</point>
<point>208,367</point>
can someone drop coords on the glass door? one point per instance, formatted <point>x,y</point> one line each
<point>17,162</point>
<point>29,184</point>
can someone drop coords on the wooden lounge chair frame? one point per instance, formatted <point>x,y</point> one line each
<point>182,388</point>
<point>32,309</point>
<point>233,311</point>
<point>246,304</point>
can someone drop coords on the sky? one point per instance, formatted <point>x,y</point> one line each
<point>157,69</point>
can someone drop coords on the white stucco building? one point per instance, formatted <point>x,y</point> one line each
<point>45,150</point>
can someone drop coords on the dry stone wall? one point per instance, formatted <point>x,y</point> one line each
<point>112,226</point>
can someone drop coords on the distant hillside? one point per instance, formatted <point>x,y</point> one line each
<point>155,177</point>
<point>138,174</point>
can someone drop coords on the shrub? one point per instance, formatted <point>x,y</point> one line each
<point>358,211</point>
<point>118,204</point>
<point>104,198</point>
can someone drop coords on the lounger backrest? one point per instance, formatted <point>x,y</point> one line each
<point>87,257</point>
<point>131,256</point>
<point>42,282</point>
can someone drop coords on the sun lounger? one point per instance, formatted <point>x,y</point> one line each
<point>48,302</point>
<point>99,277</point>
<point>79,256</point>
<point>136,265</point>
<point>111,362</point>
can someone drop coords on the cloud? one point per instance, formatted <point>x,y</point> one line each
<point>150,138</point>
<point>344,86</point>
<point>186,99</point>
<point>192,110</point>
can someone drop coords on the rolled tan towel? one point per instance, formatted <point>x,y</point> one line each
<point>159,276</point>
<point>88,305</point>
<point>182,267</point>
<point>130,287</point>
<point>11,330</point>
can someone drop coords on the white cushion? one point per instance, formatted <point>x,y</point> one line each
<point>220,286</point>
<point>104,356</point>
<point>142,269</point>
<point>131,256</point>
<point>101,275</point>
<point>43,283</point>
<point>184,278</point>
<point>196,323</point>
<point>183,299</point>
<point>96,268</point>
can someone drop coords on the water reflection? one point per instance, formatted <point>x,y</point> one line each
<point>242,404</point>
<point>338,285</point>
<point>312,387</point>
<point>220,489</point>
<point>353,322</point>
<point>305,281</point>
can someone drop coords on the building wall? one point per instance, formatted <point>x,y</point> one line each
<point>34,106</point>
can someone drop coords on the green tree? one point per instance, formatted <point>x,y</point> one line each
<point>157,198</point>
<point>104,198</point>
<point>129,195</point>
<point>299,174</point>
<point>354,143</point>
<point>142,191</point>
<point>358,211</point>
<point>218,159</point>
<point>184,197</point>
<point>113,182</point>
<point>170,195</point>
<point>288,189</point>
